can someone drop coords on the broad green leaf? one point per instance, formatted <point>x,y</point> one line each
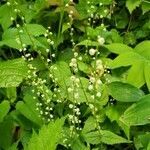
<point>132,4</point>
<point>6,133</point>
<point>148,147</point>
<point>6,13</point>
<point>14,146</point>
<point>84,67</point>
<point>12,72</point>
<point>147,74</point>
<point>145,6</point>
<point>48,136</point>
<point>28,109</point>
<point>124,92</point>
<point>114,112</point>
<point>34,29</point>
<point>136,74</point>
<point>4,109</point>
<point>125,59</point>
<point>11,94</point>
<point>143,49</point>
<point>118,48</point>
<point>104,136</point>
<point>142,141</point>
<point>110,138</point>
<point>78,145</point>
<point>27,35</point>
<point>89,125</point>
<point>138,113</point>
<point>62,72</point>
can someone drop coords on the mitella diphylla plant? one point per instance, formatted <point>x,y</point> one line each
<point>64,82</point>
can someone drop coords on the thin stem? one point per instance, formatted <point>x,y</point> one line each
<point>59,29</point>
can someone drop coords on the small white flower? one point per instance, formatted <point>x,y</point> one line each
<point>76,95</point>
<point>12,19</point>
<point>51,116</point>
<point>98,94</point>
<point>47,50</point>
<point>105,11</point>
<point>73,78</point>
<point>8,3</point>
<point>53,55</point>
<point>66,5</point>
<point>71,12</point>
<point>17,25</point>
<point>100,4</point>
<point>70,106</point>
<point>101,16</point>
<point>92,51</point>
<point>75,54</point>
<point>91,106</point>
<point>70,89</point>
<point>92,79</point>
<point>90,87</point>
<point>101,40</point>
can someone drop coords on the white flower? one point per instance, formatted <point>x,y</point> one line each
<point>75,54</point>
<point>91,106</point>
<point>90,87</point>
<point>53,55</point>
<point>70,106</point>
<point>105,11</point>
<point>12,18</point>
<point>92,79</point>
<point>101,40</point>
<point>80,58</point>
<point>92,51</point>
<point>98,94</point>
<point>8,3</point>
<point>76,95</point>
<point>73,78</point>
<point>47,50</point>
<point>98,62</point>
<point>70,89</point>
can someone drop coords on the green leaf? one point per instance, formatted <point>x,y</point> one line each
<point>11,94</point>
<point>132,4</point>
<point>12,72</point>
<point>78,145</point>
<point>125,59</point>
<point>142,141</point>
<point>143,49</point>
<point>145,6</point>
<point>111,138</point>
<point>5,16</point>
<point>104,136</point>
<point>84,67</point>
<point>118,48</point>
<point>6,133</point>
<point>136,74</point>
<point>147,74</point>
<point>28,109</point>
<point>35,29</point>
<point>89,125</point>
<point>124,92</point>
<point>4,109</point>
<point>48,136</point>
<point>138,113</point>
<point>62,72</point>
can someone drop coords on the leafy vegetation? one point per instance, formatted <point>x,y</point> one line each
<point>74,75</point>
